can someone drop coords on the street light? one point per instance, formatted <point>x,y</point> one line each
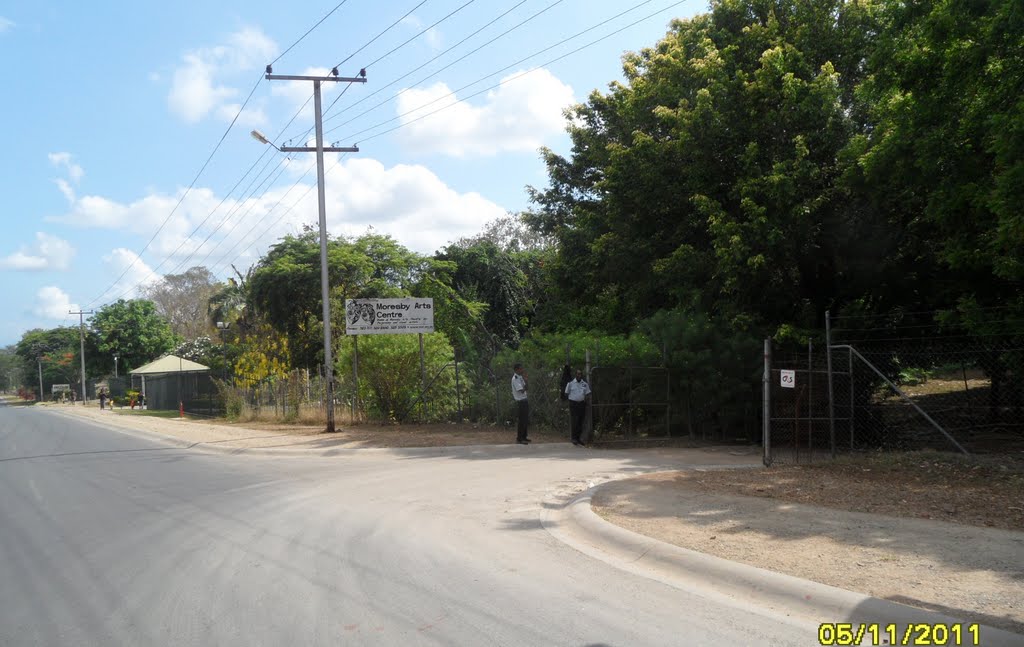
<point>115,367</point>
<point>261,138</point>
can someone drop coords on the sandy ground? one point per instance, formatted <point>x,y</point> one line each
<point>970,572</point>
<point>967,571</point>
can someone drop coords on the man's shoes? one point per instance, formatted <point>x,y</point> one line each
<point>523,442</point>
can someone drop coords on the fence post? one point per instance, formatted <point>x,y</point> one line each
<point>853,402</point>
<point>766,399</point>
<point>831,407</point>
<point>810,397</point>
<point>589,416</point>
<point>458,395</point>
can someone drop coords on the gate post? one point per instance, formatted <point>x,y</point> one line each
<point>831,405</point>
<point>766,399</point>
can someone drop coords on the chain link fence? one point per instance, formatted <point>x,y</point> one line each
<point>894,388</point>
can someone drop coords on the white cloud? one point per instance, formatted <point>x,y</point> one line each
<point>407,202</point>
<point>5,24</point>
<point>48,253</point>
<point>197,88</point>
<point>517,116</point>
<point>53,303</point>
<point>59,160</point>
<point>136,275</point>
<point>150,214</point>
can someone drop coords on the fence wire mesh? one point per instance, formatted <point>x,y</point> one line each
<point>897,388</point>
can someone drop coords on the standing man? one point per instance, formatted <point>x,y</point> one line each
<point>522,404</point>
<point>577,390</point>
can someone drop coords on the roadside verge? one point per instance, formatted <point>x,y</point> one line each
<point>575,524</point>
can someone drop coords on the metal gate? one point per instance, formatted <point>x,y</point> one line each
<point>630,404</point>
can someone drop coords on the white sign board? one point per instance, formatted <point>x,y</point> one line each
<point>60,388</point>
<point>388,316</point>
<point>788,379</point>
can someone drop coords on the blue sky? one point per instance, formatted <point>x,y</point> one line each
<point>113,108</point>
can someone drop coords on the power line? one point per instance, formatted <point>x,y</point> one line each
<point>301,38</point>
<point>524,73</point>
<point>422,31</point>
<point>183,195</point>
<point>216,148</point>
<point>220,261</point>
<point>392,26</point>
<point>435,73</point>
<point>382,57</point>
<point>511,78</point>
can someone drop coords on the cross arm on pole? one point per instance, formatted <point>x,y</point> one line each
<point>294,77</point>
<point>313,149</point>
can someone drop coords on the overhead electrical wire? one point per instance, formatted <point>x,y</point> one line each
<point>216,148</point>
<point>392,26</point>
<point>183,196</point>
<point>511,78</point>
<point>435,73</point>
<point>301,38</point>
<point>567,54</point>
<point>423,31</point>
<point>577,35</point>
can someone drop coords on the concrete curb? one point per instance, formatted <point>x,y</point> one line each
<point>577,525</point>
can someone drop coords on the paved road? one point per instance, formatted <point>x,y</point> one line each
<point>114,539</point>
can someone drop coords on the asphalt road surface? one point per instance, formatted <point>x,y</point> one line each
<point>109,538</point>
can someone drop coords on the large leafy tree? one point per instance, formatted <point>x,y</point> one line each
<point>945,154</point>
<point>284,287</point>
<point>134,331</point>
<point>10,368</point>
<point>182,299</point>
<point>56,353</point>
<point>710,178</point>
<point>487,274</point>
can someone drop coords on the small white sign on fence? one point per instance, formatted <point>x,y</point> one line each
<point>788,379</point>
<point>60,388</point>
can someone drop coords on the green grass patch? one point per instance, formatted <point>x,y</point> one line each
<point>147,412</point>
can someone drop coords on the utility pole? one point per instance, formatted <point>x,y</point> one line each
<point>319,149</point>
<point>39,362</point>
<point>81,340</point>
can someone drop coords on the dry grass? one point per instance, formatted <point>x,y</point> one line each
<point>980,490</point>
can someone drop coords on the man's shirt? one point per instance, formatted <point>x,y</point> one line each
<point>577,390</point>
<point>518,387</point>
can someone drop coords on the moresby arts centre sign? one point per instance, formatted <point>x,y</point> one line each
<point>388,316</point>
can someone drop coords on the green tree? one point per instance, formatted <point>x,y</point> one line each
<point>55,352</point>
<point>710,178</point>
<point>390,378</point>
<point>132,330</point>
<point>284,286</point>
<point>945,154</point>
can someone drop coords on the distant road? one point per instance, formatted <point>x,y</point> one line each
<point>113,539</point>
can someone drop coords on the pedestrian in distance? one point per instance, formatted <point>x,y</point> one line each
<point>577,390</point>
<point>103,398</point>
<point>522,404</point>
